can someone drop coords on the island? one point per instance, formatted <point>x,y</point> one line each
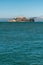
<point>21,19</point>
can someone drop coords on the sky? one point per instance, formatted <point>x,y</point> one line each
<point>15,8</point>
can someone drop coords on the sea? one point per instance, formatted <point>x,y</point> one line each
<point>21,43</point>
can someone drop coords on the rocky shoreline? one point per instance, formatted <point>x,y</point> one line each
<point>21,19</point>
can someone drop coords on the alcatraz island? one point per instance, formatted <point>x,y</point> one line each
<point>21,19</point>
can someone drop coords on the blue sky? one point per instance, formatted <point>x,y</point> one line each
<point>28,8</point>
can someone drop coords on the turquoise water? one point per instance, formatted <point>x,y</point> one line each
<point>21,43</point>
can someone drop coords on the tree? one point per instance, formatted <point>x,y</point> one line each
<point>31,19</point>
